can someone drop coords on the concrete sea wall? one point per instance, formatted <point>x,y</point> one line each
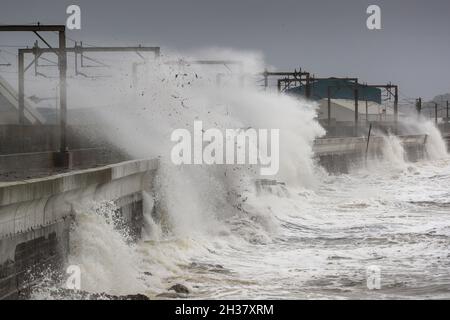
<point>337,155</point>
<point>35,216</point>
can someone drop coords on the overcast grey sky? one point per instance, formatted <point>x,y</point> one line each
<point>326,37</point>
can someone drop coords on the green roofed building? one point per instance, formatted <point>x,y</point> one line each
<point>339,89</point>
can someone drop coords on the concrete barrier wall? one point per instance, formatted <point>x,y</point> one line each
<point>358,145</point>
<point>337,155</point>
<point>35,216</point>
<point>24,166</point>
<point>27,138</point>
<point>42,138</point>
<point>444,128</point>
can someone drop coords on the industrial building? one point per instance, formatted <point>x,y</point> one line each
<point>342,100</point>
<point>343,110</point>
<point>339,89</point>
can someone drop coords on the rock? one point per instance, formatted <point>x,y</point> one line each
<point>136,297</point>
<point>104,296</point>
<point>206,267</point>
<point>170,295</point>
<point>179,288</point>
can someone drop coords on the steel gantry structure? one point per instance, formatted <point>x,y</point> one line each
<point>296,77</point>
<point>78,50</point>
<point>308,80</point>
<point>304,78</point>
<point>355,95</point>
<point>392,90</point>
<point>62,64</point>
<point>61,52</point>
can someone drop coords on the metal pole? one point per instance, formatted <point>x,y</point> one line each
<point>329,107</point>
<point>396,109</point>
<point>21,93</point>
<point>266,80</point>
<point>367,111</point>
<point>368,140</point>
<point>36,63</point>
<point>308,87</point>
<point>436,112</point>
<point>447,111</point>
<point>62,61</point>
<point>356,110</point>
<point>419,106</point>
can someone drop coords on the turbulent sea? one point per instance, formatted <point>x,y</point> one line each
<point>311,235</point>
<point>398,220</point>
<point>308,244</point>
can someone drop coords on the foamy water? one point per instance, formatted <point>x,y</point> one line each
<point>398,221</point>
<point>293,243</point>
<point>311,236</point>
